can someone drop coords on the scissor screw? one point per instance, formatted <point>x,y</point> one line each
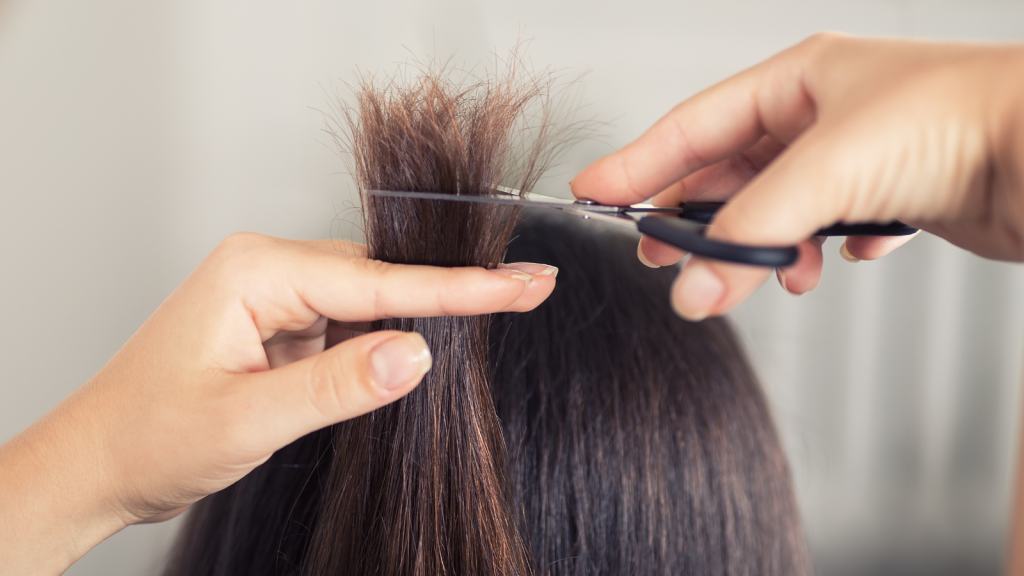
<point>585,202</point>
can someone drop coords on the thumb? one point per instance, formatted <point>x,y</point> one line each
<point>355,377</point>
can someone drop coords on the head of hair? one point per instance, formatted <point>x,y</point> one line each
<point>596,434</point>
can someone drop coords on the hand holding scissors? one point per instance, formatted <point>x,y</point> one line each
<point>835,129</point>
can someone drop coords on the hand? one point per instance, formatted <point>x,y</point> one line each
<point>835,129</point>
<point>230,368</point>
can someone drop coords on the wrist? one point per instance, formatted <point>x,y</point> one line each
<point>56,500</point>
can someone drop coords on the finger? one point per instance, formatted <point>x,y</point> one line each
<point>535,293</point>
<point>700,289</point>
<point>706,288</point>
<point>287,286</point>
<point>655,254</point>
<point>859,248</point>
<point>803,276</point>
<point>771,211</point>
<point>537,290</point>
<point>718,182</point>
<point>361,290</point>
<point>724,120</point>
<point>713,183</point>
<point>272,408</point>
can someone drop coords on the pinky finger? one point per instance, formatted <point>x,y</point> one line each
<point>803,276</point>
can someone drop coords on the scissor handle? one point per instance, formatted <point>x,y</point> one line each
<point>688,235</point>
<point>704,212</point>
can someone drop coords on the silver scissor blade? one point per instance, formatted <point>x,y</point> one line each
<point>500,197</point>
<point>616,218</point>
<point>508,196</point>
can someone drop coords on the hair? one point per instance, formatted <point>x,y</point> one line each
<point>639,443</point>
<point>598,434</point>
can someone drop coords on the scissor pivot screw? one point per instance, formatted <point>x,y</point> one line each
<point>585,202</point>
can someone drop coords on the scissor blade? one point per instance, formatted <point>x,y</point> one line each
<point>497,198</point>
<point>616,219</point>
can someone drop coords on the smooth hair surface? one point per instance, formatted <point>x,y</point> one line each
<point>639,443</point>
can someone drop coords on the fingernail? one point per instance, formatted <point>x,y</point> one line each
<point>696,292</point>
<point>781,275</point>
<point>513,273</point>
<point>530,268</point>
<point>643,259</point>
<point>845,253</point>
<point>400,361</point>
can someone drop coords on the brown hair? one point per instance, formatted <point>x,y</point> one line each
<point>419,486</point>
<point>598,434</point>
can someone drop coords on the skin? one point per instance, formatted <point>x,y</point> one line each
<point>835,129</point>
<point>235,364</point>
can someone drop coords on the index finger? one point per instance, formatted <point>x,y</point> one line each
<point>361,290</point>
<point>724,120</point>
<point>287,285</point>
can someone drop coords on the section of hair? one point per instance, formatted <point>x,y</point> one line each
<point>418,487</point>
<point>640,443</point>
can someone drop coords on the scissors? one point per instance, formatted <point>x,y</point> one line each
<point>682,226</point>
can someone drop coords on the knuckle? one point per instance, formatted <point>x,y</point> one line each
<point>240,251</point>
<point>815,46</point>
<point>242,242</point>
<point>825,38</point>
<point>239,246</point>
<point>322,388</point>
<point>372,267</point>
<point>331,384</point>
<point>378,272</point>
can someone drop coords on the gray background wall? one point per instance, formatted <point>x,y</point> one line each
<point>136,135</point>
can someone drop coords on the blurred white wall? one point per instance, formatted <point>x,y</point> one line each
<point>136,135</point>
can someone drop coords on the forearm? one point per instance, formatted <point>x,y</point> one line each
<point>56,500</point>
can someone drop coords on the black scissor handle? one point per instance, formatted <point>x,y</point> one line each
<point>686,232</point>
<point>894,228</point>
<point>704,212</point>
<point>688,235</point>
